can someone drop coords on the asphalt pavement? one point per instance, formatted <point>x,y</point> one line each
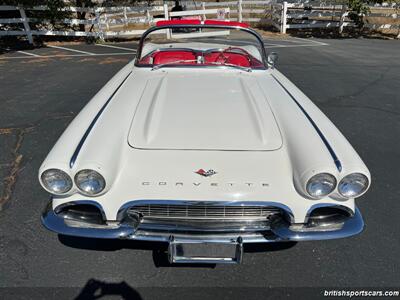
<point>355,82</point>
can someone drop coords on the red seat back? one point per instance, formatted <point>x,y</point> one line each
<point>165,57</point>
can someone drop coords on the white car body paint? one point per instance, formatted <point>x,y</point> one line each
<point>284,152</point>
<point>204,137</point>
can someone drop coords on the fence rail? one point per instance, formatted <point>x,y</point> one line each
<point>97,18</point>
<point>104,22</point>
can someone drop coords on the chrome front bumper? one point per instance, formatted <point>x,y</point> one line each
<point>279,230</point>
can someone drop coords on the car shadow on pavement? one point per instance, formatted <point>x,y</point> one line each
<point>159,249</point>
<point>105,245</point>
<point>95,289</point>
<point>268,247</point>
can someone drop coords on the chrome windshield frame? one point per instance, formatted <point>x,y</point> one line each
<point>155,28</point>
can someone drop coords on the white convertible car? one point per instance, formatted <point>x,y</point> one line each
<point>201,143</point>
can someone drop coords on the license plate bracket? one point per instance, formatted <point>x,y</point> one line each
<point>205,252</point>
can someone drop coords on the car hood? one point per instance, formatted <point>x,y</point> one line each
<point>204,112</point>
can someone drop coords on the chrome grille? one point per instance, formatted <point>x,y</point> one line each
<point>194,211</point>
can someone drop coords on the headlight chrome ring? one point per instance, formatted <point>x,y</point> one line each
<point>90,182</point>
<point>353,185</point>
<point>56,181</point>
<point>321,185</point>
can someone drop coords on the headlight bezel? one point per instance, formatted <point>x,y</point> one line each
<point>361,192</point>
<point>78,182</point>
<point>324,175</point>
<point>66,176</point>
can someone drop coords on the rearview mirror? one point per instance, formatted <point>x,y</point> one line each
<point>272,59</point>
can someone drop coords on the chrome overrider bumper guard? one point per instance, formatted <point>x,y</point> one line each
<point>279,230</point>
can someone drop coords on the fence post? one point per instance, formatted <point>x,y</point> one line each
<point>125,17</point>
<point>26,25</point>
<point>166,17</point>
<point>342,18</point>
<point>148,16</point>
<point>203,7</point>
<point>284,17</point>
<point>239,9</point>
<point>99,25</point>
<point>106,22</point>
<point>341,23</point>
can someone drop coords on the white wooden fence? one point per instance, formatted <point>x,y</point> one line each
<point>106,22</point>
<point>221,13</point>
<point>299,16</point>
<point>101,19</point>
<point>284,15</point>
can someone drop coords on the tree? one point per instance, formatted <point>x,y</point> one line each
<point>52,14</point>
<point>357,10</point>
<point>82,15</point>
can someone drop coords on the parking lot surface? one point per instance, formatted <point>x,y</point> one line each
<point>355,82</point>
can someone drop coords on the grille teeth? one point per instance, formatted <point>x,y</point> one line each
<point>204,211</point>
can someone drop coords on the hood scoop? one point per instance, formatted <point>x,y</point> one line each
<point>204,112</point>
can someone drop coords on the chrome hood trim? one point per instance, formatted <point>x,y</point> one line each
<point>321,135</point>
<point>85,135</point>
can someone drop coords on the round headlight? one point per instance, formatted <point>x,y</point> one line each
<point>321,185</point>
<point>89,182</point>
<point>353,185</point>
<point>56,181</point>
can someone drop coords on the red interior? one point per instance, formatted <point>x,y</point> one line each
<point>182,57</point>
<point>164,57</point>
<point>178,22</point>
<point>226,23</point>
<point>198,22</point>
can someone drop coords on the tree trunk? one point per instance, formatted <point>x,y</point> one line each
<point>81,15</point>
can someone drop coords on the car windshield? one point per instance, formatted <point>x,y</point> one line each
<point>201,45</point>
